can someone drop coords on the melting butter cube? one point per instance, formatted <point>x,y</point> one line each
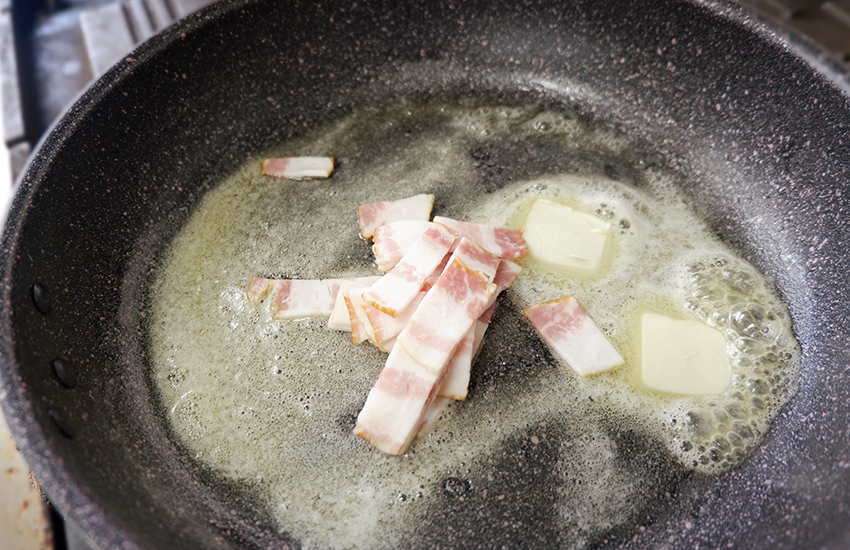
<point>684,357</point>
<point>560,235</point>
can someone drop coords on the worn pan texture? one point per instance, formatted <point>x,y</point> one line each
<point>760,138</point>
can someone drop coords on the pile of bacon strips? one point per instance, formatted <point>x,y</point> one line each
<point>428,311</point>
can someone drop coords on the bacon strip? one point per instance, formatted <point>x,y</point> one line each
<point>297,298</point>
<point>385,327</point>
<point>432,278</point>
<point>396,405</point>
<point>339,319</point>
<point>573,335</point>
<point>392,240</point>
<point>507,244</point>
<point>369,323</point>
<point>298,168</point>
<point>359,333</point>
<point>452,305</point>
<point>456,384</point>
<point>376,214</point>
<point>394,292</point>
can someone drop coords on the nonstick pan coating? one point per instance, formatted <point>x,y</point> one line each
<point>760,138</point>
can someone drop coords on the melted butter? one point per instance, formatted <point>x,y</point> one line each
<point>272,403</point>
<point>668,261</point>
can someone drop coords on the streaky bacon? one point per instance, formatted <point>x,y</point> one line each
<point>456,383</point>
<point>297,298</point>
<point>573,335</point>
<point>358,328</point>
<point>432,278</point>
<point>339,318</point>
<point>358,307</point>
<point>395,290</point>
<point>501,242</point>
<point>375,214</point>
<point>396,404</point>
<point>298,167</point>
<point>385,327</point>
<point>451,306</point>
<point>392,240</point>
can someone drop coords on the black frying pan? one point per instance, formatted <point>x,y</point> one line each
<point>760,138</point>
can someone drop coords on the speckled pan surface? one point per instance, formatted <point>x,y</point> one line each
<point>760,139</point>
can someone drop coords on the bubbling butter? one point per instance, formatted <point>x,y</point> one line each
<point>271,404</point>
<point>668,261</point>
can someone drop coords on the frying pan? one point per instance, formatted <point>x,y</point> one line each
<point>759,136</point>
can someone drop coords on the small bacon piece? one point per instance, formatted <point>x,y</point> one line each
<point>452,305</point>
<point>359,333</point>
<point>456,384</point>
<point>369,323</point>
<point>395,290</point>
<point>297,298</point>
<point>432,278</point>
<point>507,244</point>
<point>396,405</point>
<point>299,168</point>
<point>385,327</point>
<point>339,319</point>
<point>376,214</point>
<point>573,335</point>
<point>392,240</point>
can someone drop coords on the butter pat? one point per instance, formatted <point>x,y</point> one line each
<point>560,235</point>
<point>684,357</point>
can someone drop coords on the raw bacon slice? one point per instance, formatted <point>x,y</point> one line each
<point>395,290</point>
<point>507,244</point>
<point>359,333</point>
<point>376,214</point>
<point>358,307</point>
<point>298,168</point>
<point>369,323</point>
<point>339,319</point>
<point>396,405</point>
<point>297,298</point>
<point>432,278</point>
<point>294,298</point>
<point>573,335</point>
<point>456,384</point>
<point>392,240</point>
<point>385,327</point>
<point>451,306</point>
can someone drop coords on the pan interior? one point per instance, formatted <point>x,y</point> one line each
<point>270,404</point>
<point>754,137</point>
